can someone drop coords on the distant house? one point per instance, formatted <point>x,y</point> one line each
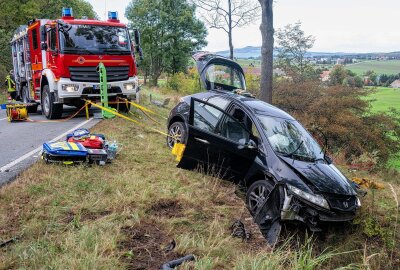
<point>325,75</point>
<point>340,61</point>
<point>395,84</point>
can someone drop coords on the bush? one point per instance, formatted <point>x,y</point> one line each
<point>184,83</point>
<point>344,117</point>
<point>252,82</point>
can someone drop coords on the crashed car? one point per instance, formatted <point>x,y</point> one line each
<point>286,173</point>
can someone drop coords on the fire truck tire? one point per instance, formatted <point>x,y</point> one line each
<point>50,109</point>
<point>122,108</point>
<point>25,99</point>
<point>25,94</point>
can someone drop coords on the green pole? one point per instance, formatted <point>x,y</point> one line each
<point>104,91</point>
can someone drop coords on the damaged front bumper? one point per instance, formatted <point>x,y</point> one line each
<point>295,208</point>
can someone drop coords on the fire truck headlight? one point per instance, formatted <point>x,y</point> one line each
<point>70,87</point>
<point>129,86</point>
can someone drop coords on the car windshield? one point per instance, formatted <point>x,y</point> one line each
<point>94,39</point>
<point>224,77</point>
<point>289,138</point>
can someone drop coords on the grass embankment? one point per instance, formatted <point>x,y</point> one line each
<point>122,215</point>
<point>380,67</point>
<point>3,96</point>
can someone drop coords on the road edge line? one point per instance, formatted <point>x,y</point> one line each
<point>27,155</point>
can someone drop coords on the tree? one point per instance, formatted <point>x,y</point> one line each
<point>371,75</point>
<point>337,75</point>
<point>293,45</point>
<point>228,15</point>
<point>170,32</point>
<point>267,50</point>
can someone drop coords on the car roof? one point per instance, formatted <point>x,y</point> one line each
<point>255,105</point>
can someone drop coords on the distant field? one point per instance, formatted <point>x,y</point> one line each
<point>247,62</point>
<point>380,67</point>
<point>386,98</point>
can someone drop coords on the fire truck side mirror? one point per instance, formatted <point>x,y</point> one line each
<point>136,35</point>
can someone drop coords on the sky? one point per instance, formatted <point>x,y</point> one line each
<point>338,25</point>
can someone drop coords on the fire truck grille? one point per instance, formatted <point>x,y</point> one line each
<point>89,74</point>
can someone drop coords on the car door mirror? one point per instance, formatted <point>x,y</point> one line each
<point>247,144</point>
<point>328,160</point>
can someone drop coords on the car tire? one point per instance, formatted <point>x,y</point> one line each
<point>177,129</point>
<point>257,193</point>
<point>49,108</point>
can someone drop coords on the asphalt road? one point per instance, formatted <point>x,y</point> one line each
<point>21,142</point>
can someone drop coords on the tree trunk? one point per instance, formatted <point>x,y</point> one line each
<point>230,30</point>
<point>267,50</point>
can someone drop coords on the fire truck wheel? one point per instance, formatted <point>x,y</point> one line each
<point>50,109</point>
<point>122,108</point>
<point>25,94</point>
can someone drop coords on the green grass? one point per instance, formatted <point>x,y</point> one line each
<point>122,215</point>
<point>380,67</point>
<point>3,96</point>
<point>385,98</point>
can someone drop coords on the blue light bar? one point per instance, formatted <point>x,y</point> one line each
<point>67,12</point>
<point>113,15</point>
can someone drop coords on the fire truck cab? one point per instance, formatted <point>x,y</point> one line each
<point>55,61</point>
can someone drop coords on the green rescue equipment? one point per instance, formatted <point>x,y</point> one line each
<point>10,84</point>
<point>101,69</point>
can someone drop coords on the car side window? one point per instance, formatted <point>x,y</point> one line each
<point>218,101</point>
<point>245,120</point>
<point>205,116</point>
<point>214,120</point>
<point>231,129</point>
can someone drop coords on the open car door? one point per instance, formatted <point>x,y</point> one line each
<point>217,142</point>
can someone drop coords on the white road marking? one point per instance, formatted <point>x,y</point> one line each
<point>3,118</point>
<point>27,155</point>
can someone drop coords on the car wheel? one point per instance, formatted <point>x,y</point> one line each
<point>257,194</point>
<point>177,134</point>
<point>50,109</point>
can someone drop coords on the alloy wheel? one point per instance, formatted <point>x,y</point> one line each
<point>257,197</point>
<point>175,135</point>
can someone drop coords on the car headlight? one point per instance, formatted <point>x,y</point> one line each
<point>129,86</point>
<point>70,87</point>
<point>358,202</point>
<point>312,198</point>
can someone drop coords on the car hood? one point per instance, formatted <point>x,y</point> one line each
<point>325,178</point>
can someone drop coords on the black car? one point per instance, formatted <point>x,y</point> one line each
<point>286,173</point>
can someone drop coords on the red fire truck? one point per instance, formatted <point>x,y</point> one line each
<point>55,61</point>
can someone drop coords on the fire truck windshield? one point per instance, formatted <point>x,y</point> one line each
<point>94,39</point>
